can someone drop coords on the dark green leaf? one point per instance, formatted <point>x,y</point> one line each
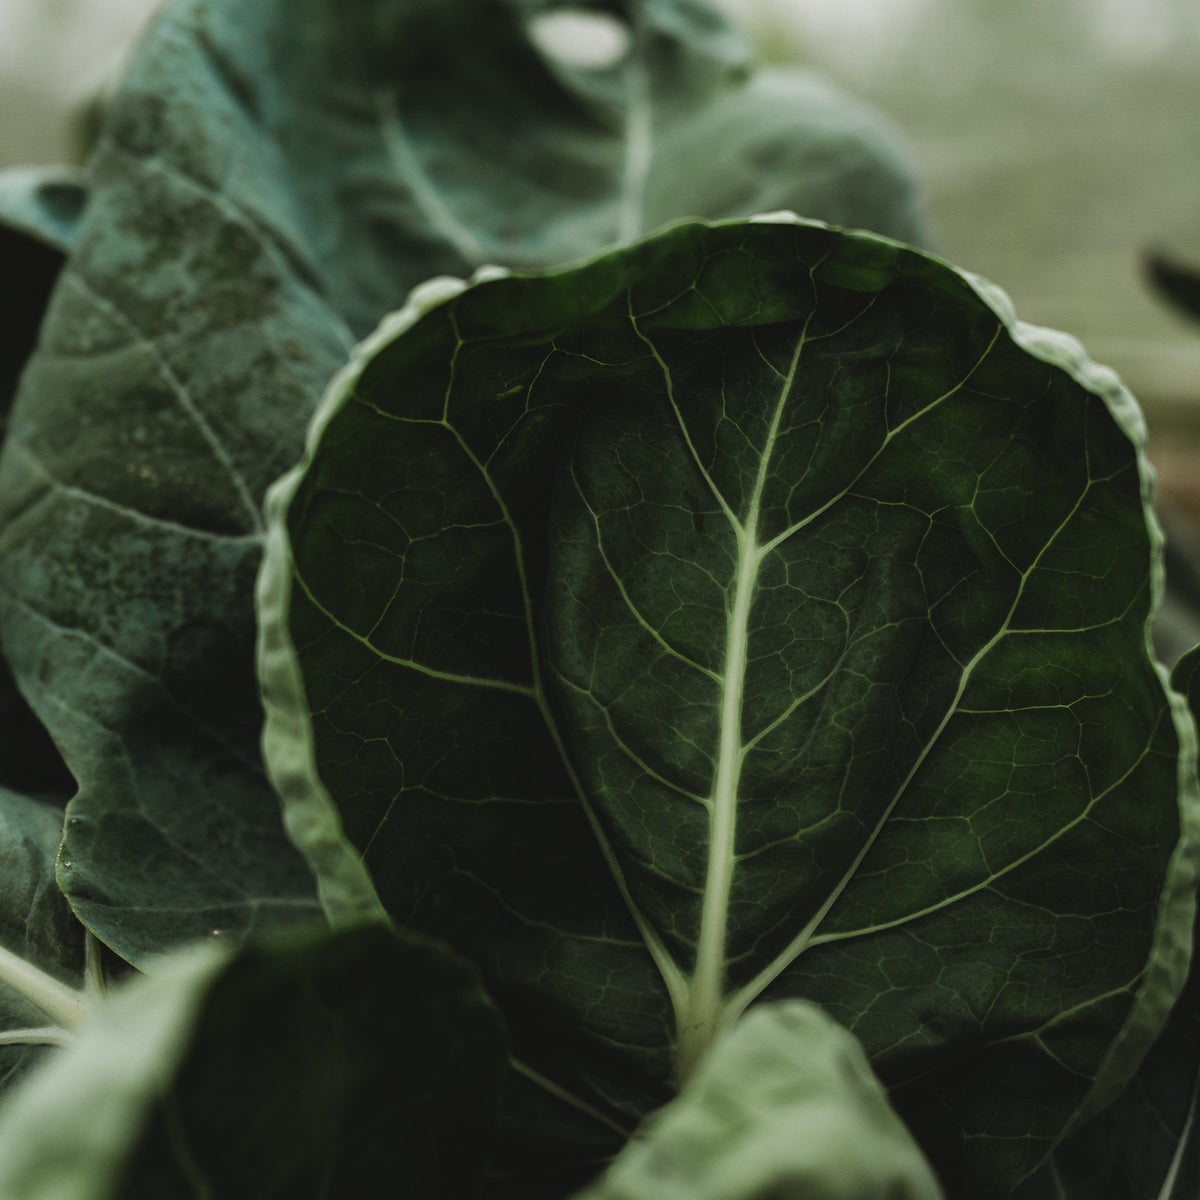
<point>271,177</point>
<point>357,1065</point>
<point>1147,1144</point>
<point>758,612</point>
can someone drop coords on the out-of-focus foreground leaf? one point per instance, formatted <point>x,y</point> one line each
<point>785,1106</point>
<point>307,1066</point>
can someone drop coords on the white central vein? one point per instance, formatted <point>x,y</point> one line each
<point>704,1011</point>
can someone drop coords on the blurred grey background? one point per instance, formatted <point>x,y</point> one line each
<point>1057,140</point>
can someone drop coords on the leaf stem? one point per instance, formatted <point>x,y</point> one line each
<point>706,1010</point>
<point>706,994</point>
<point>65,1005</point>
<point>43,1035</point>
<point>94,984</point>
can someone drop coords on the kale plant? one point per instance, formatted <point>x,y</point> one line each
<point>536,671</point>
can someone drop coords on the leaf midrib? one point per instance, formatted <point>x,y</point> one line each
<point>704,1007</point>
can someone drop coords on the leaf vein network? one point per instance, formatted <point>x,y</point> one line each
<point>808,936</point>
<point>628,600</point>
<point>175,385</point>
<point>251,762</point>
<point>632,755</point>
<point>501,685</point>
<point>72,492</point>
<point>272,243</point>
<point>892,433</point>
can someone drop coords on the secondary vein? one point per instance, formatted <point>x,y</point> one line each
<point>421,187</point>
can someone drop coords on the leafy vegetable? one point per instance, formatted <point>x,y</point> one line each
<point>785,1106</point>
<point>316,1065</point>
<point>734,644</point>
<point>269,180</point>
<point>756,612</point>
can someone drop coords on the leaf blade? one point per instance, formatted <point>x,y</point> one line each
<point>946,624</point>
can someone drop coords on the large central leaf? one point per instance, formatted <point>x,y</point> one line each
<point>754,613</point>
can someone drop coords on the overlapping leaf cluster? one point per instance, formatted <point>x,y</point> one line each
<point>708,683</point>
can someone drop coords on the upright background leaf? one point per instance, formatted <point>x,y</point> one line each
<point>758,612</point>
<point>268,181</point>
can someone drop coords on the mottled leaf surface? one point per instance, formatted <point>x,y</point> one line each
<point>759,612</point>
<point>785,1106</point>
<point>311,1066</point>
<point>268,181</point>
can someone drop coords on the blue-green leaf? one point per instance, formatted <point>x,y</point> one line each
<point>43,203</point>
<point>269,179</point>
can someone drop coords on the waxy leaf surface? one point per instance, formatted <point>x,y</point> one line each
<point>272,177</point>
<point>758,612</point>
